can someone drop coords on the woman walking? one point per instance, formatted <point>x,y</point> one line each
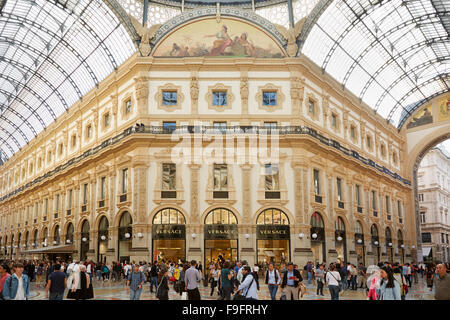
<point>81,288</point>
<point>332,278</point>
<point>273,280</point>
<point>389,287</point>
<point>214,278</point>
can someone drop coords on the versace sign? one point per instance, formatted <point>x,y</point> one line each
<point>268,232</point>
<point>221,231</point>
<point>169,231</point>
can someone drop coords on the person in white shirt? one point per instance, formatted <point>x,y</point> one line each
<point>273,280</point>
<point>249,284</point>
<point>332,278</point>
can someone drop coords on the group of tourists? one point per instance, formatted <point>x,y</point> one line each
<point>228,280</point>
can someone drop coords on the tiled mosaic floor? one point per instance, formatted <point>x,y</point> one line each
<point>116,291</point>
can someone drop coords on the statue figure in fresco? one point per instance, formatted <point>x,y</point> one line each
<point>223,41</point>
<point>425,118</point>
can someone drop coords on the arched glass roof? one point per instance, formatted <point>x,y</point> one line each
<point>394,55</point>
<point>51,54</point>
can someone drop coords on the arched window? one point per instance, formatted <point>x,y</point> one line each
<point>388,235</point>
<point>45,237</point>
<point>400,236</point>
<point>273,216</point>
<point>125,226</point>
<point>339,224</point>
<point>103,224</point>
<point>317,221</point>
<point>220,216</point>
<point>35,238</point>
<point>84,240</point>
<point>85,228</point>
<point>169,216</point>
<point>359,228</point>
<point>69,233</point>
<point>27,238</point>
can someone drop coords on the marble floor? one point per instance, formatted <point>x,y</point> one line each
<point>116,291</point>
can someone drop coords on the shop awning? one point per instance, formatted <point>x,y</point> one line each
<point>55,249</point>
<point>426,251</point>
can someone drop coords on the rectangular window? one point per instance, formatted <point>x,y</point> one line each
<point>388,205</point>
<point>219,98</point>
<point>269,98</point>
<point>339,189</point>
<point>69,202</point>
<point>57,203</point>
<point>168,176</point>
<point>399,205</point>
<point>374,200</point>
<point>128,106</point>
<point>311,108</point>
<point>271,177</point>
<point>422,217</point>
<point>421,197</point>
<point>369,142</point>
<point>106,120</point>
<point>442,238</point>
<point>46,206</point>
<point>426,237</point>
<point>89,131</point>
<point>169,98</point>
<point>169,126</point>
<point>124,181</point>
<point>85,193</point>
<point>74,140</point>
<point>220,177</point>
<point>316,181</point>
<point>333,120</point>
<point>353,132</point>
<point>103,188</point>
<point>358,195</point>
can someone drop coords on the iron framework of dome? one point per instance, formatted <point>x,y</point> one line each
<point>391,54</point>
<point>51,54</point>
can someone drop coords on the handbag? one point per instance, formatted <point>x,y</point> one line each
<point>283,296</point>
<point>338,281</point>
<point>184,296</point>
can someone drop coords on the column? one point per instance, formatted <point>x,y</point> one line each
<point>247,251</point>
<point>194,245</point>
<point>142,91</point>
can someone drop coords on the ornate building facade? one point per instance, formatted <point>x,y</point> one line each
<point>241,152</point>
<point>434,199</point>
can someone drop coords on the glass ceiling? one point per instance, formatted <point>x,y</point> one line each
<point>51,54</point>
<point>394,55</point>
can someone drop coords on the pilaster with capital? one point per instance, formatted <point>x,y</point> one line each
<point>142,93</point>
<point>244,93</point>
<point>299,183</point>
<point>194,92</point>
<point>297,93</point>
<point>246,212</point>
<point>140,188</point>
<point>194,192</point>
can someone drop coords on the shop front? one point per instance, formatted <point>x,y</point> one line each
<point>221,236</point>
<point>273,238</point>
<point>341,240</point>
<point>169,236</point>
<point>317,235</point>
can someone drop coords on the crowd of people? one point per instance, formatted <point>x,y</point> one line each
<point>227,280</point>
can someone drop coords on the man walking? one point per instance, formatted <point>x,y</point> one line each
<point>17,287</point>
<point>154,276</point>
<point>320,277</point>
<point>291,280</point>
<point>192,278</point>
<point>57,283</point>
<point>442,291</point>
<point>135,282</point>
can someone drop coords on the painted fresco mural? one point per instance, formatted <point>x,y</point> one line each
<point>229,38</point>
<point>422,117</point>
<point>444,109</point>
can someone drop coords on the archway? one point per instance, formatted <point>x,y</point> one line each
<point>169,235</point>
<point>273,242</point>
<point>375,244</point>
<point>69,233</point>
<point>84,245</point>
<point>56,235</point>
<point>389,249</point>
<point>360,247</point>
<point>341,241</point>
<point>102,241</point>
<point>318,238</point>
<point>221,236</point>
<point>125,233</point>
